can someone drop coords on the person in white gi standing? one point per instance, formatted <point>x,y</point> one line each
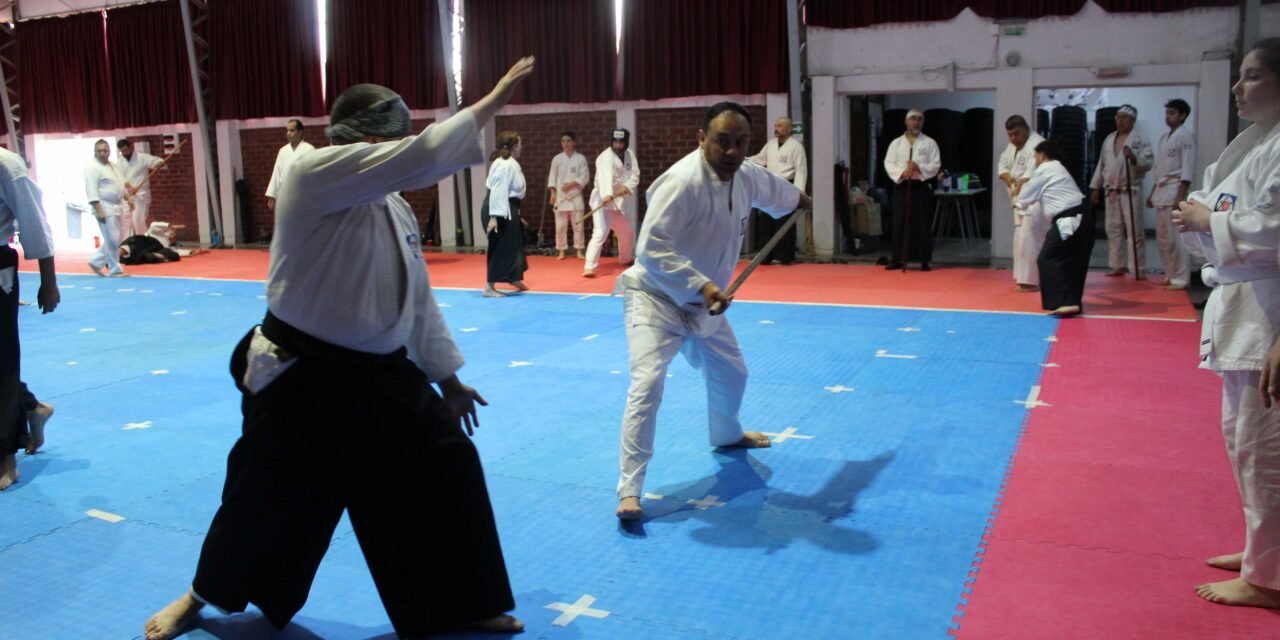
<point>689,246</point>
<point>20,209</point>
<point>1235,220</point>
<point>1175,169</point>
<point>134,167</point>
<point>784,157</point>
<point>104,190</point>
<point>288,154</point>
<point>569,176</point>
<point>1123,191</point>
<point>911,161</point>
<point>1015,167</point>
<point>352,342</point>
<point>617,178</point>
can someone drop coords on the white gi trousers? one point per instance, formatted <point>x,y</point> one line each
<point>136,224</point>
<point>656,330</point>
<point>1173,255</point>
<point>603,221</point>
<point>566,217</point>
<point>1253,445</point>
<point>1120,228</point>
<point>1028,238</point>
<point>108,254</point>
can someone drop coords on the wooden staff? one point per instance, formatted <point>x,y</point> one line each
<point>158,167</point>
<point>906,213</point>
<point>716,308</point>
<point>592,212</point>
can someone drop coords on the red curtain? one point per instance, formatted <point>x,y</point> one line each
<point>147,56</point>
<point>405,56</point>
<point>64,81</point>
<point>1025,9</point>
<point>1160,6</point>
<point>265,59</point>
<point>853,14</point>
<point>573,40</point>
<point>674,48</point>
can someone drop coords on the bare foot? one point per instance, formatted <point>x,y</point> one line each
<point>1237,592</point>
<point>490,292</point>
<point>1026,288</point>
<point>559,255</point>
<point>520,285</point>
<point>1175,287</point>
<point>629,508</point>
<point>1229,562</point>
<point>588,274</point>
<point>502,623</point>
<point>1066,312</point>
<point>173,619</point>
<point>752,440</point>
<point>8,471</point>
<point>1115,273</point>
<point>35,420</point>
<point>581,255</point>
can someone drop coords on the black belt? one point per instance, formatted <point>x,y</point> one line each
<point>296,342</point>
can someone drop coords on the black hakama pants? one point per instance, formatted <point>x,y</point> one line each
<point>366,433</point>
<point>506,257</point>
<point>13,419</point>
<point>1064,264</point>
<point>767,226</point>
<point>918,239</point>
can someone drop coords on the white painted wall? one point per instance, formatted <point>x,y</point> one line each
<point>954,100</point>
<point>968,53</point>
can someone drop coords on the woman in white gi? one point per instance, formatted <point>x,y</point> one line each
<point>689,246</point>
<point>614,201</point>
<point>506,261</point>
<point>1052,195</point>
<point>352,342</point>
<point>1014,168</point>
<point>566,182</point>
<point>1235,221</point>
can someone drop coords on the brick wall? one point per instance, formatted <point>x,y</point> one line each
<point>258,149</point>
<point>663,136</point>
<point>540,142</point>
<point>173,188</point>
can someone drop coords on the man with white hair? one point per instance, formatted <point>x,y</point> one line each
<point>1015,167</point>
<point>1123,161</point>
<point>784,157</point>
<point>352,341</point>
<point>911,161</point>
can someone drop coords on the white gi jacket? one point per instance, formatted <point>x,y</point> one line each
<point>786,161</point>
<point>1053,188</point>
<point>284,160</point>
<point>102,183</point>
<point>924,153</point>
<point>612,173</point>
<point>20,209</point>
<point>505,181</point>
<point>694,227</point>
<point>346,259</point>
<point>565,169</point>
<point>1242,318</point>
<point>136,169</point>
<point>1019,163</point>
<point>1175,162</point>
<point>1110,172</point>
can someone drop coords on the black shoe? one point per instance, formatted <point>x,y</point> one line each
<point>766,262</point>
<point>893,266</point>
<point>882,260</point>
<point>924,266</point>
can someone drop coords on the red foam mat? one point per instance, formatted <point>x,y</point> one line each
<point>860,284</point>
<point>1119,490</point>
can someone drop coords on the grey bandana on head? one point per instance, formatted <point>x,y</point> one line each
<point>384,119</point>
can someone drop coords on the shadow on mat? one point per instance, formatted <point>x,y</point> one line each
<point>748,514</point>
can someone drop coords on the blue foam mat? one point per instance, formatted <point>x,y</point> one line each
<point>864,524</point>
